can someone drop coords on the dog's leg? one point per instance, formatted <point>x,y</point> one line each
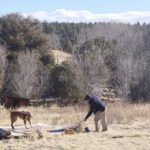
<point>29,122</point>
<point>12,125</point>
<point>25,123</point>
<point>13,119</point>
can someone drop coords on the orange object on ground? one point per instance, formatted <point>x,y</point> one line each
<point>69,131</point>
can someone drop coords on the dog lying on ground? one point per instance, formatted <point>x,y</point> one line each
<point>24,115</point>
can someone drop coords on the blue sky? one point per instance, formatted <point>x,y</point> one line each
<point>92,10</point>
<point>95,6</point>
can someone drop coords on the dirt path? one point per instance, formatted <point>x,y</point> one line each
<point>124,136</point>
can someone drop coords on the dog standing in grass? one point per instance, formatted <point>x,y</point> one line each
<point>24,115</point>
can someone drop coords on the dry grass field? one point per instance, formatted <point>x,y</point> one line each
<point>128,128</point>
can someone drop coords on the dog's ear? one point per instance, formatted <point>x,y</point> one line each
<point>28,112</point>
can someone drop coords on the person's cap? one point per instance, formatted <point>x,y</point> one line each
<point>87,97</point>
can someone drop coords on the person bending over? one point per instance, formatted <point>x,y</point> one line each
<point>98,108</point>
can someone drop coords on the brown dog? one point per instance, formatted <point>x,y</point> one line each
<point>24,115</point>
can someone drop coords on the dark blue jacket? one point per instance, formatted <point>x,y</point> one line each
<point>96,104</point>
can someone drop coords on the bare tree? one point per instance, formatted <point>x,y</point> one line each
<point>43,84</point>
<point>28,80</point>
<point>2,64</point>
<point>54,41</point>
<point>91,62</point>
<point>25,76</point>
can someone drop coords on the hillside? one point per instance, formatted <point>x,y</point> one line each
<point>121,49</point>
<point>104,90</point>
<point>113,52</point>
<point>61,56</point>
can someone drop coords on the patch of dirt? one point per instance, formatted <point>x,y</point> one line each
<point>61,56</point>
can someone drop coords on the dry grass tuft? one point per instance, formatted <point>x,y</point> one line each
<point>127,112</point>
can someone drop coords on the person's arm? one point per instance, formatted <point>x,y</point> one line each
<point>89,113</point>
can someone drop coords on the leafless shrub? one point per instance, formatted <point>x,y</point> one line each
<point>43,84</point>
<point>25,75</point>
<point>55,41</point>
<point>2,63</point>
<point>91,61</point>
<point>28,79</point>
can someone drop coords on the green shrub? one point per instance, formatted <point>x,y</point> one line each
<point>47,60</point>
<point>67,81</point>
<point>20,33</point>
